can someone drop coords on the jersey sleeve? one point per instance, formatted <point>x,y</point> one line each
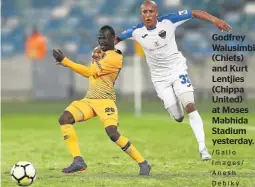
<point>109,64</point>
<point>178,18</point>
<point>129,32</point>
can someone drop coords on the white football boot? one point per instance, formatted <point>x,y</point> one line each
<point>205,155</point>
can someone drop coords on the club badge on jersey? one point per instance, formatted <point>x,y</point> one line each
<point>162,34</point>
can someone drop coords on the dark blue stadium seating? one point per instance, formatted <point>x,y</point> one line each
<point>9,9</point>
<point>45,3</point>
<point>196,43</point>
<point>109,7</point>
<point>233,4</point>
<point>199,4</point>
<point>54,25</point>
<point>79,21</point>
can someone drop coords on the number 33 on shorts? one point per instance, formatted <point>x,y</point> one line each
<point>185,79</point>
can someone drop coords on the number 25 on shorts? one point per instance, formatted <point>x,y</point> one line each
<point>185,79</point>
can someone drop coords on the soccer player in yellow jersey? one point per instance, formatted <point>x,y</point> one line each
<point>99,101</point>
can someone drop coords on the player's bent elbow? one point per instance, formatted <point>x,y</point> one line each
<point>88,73</point>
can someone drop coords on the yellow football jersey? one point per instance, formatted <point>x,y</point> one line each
<point>101,85</point>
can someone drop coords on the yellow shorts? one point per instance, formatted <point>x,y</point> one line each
<point>85,109</point>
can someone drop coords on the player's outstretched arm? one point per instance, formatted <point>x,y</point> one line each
<point>78,68</point>
<point>220,24</point>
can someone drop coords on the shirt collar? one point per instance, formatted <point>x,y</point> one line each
<point>153,28</point>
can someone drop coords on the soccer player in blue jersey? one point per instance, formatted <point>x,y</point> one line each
<point>167,65</point>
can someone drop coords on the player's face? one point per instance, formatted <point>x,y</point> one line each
<point>149,13</point>
<point>105,40</point>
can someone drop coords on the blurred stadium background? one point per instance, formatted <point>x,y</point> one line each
<point>34,93</point>
<point>72,25</point>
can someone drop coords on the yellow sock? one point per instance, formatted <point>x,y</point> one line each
<point>71,139</point>
<point>126,146</point>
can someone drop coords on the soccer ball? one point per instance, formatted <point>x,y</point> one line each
<point>23,173</point>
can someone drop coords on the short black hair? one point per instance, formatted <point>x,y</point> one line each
<point>107,27</point>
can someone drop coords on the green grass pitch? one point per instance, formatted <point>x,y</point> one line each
<point>30,132</point>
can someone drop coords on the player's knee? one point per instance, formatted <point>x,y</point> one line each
<point>190,108</point>
<point>176,112</point>
<point>66,118</point>
<point>179,119</point>
<point>187,100</point>
<point>112,132</point>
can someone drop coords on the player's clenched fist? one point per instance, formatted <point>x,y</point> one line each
<point>58,55</point>
<point>96,54</point>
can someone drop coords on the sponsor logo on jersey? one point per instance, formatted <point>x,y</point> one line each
<point>144,35</point>
<point>158,48</point>
<point>109,110</point>
<point>156,44</point>
<point>183,12</point>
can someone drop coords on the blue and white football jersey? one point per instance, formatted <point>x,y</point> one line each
<point>159,44</point>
